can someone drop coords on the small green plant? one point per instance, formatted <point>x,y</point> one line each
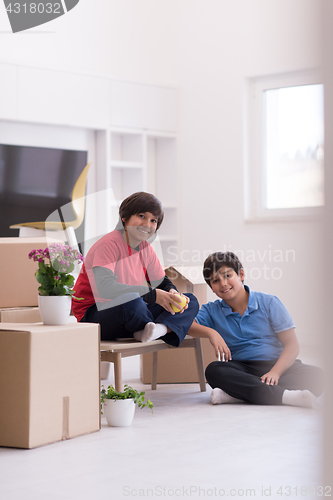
<point>128,393</point>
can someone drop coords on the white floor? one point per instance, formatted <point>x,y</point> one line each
<point>187,449</point>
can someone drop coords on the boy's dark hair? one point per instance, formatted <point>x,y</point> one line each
<point>141,202</point>
<point>217,260</point>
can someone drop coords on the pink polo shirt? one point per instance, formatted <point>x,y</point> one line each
<point>131,267</point>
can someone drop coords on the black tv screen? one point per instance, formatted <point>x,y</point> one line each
<point>34,182</point>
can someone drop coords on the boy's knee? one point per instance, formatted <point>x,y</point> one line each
<point>211,370</point>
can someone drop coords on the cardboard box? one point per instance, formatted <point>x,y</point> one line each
<point>49,383</point>
<point>32,315</point>
<point>20,315</point>
<point>180,366</point>
<point>189,279</point>
<point>19,287</point>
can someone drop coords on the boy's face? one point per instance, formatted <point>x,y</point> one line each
<point>226,283</point>
<point>140,227</point>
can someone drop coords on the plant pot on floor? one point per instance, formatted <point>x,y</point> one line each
<point>54,309</point>
<point>119,412</point>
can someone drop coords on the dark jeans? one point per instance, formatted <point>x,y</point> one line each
<point>123,320</point>
<point>241,379</point>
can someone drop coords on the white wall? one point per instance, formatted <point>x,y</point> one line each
<point>328,241</point>
<point>221,44</point>
<point>129,39</point>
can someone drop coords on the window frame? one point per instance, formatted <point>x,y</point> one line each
<point>255,171</point>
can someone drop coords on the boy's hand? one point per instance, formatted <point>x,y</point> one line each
<point>165,299</point>
<point>220,346</point>
<point>182,295</point>
<point>270,378</point>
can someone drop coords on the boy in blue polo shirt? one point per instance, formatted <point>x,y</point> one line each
<point>255,335</point>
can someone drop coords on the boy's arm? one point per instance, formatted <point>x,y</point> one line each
<point>287,357</point>
<point>163,299</point>
<point>214,337</point>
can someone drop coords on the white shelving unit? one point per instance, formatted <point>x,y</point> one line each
<point>142,160</point>
<point>162,180</point>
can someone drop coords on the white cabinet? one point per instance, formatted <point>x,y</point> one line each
<point>47,96</point>
<point>140,160</point>
<point>143,106</point>
<point>39,95</point>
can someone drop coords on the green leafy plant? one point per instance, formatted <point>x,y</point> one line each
<point>128,393</point>
<point>55,263</point>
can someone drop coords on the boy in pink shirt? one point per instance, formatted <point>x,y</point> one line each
<point>123,284</point>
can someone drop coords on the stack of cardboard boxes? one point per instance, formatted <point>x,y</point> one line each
<point>49,375</point>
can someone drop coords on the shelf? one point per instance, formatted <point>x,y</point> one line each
<point>126,149</point>
<point>144,160</point>
<point>160,135</point>
<point>126,164</point>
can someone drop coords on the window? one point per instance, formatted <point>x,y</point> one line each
<point>285,172</point>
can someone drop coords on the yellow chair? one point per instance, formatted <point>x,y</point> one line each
<point>77,204</point>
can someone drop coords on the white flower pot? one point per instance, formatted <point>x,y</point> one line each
<point>119,412</point>
<point>55,310</point>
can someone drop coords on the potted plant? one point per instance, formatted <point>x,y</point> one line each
<point>55,265</point>
<point>119,407</point>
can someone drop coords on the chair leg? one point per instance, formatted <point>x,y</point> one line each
<point>154,372</point>
<point>118,383</point>
<point>200,364</point>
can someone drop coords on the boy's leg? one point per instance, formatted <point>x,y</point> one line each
<point>303,377</point>
<point>241,380</point>
<point>120,321</point>
<point>298,386</point>
<point>132,316</point>
<point>179,324</point>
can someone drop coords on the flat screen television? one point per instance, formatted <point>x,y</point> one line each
<point>34,182</point>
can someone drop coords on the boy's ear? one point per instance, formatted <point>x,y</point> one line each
<point>242,274</point>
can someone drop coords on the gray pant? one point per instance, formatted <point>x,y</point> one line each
<point>241,379</point>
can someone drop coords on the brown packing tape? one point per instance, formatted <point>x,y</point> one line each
<point>65,418</point>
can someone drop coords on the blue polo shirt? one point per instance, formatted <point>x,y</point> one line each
<point>253,335</point>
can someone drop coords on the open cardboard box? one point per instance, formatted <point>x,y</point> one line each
<point>20,315</point>
<point>49,383</point>
<point>180,366</point>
